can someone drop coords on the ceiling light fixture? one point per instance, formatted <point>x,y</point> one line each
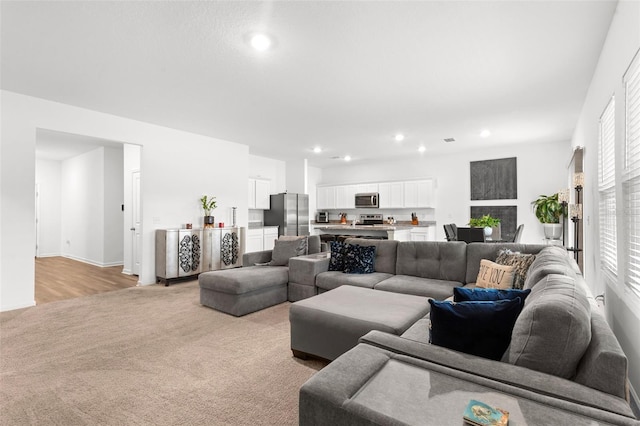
<point>317,150</point>
<point>260,42</point>
<point>347,158</point>
<point>422,149</point>
<point>485,133</point>
<point>399,137</point>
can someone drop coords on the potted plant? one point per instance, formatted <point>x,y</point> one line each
<point>487,222</point>
<point>208,204</point>
<point>549,210</point>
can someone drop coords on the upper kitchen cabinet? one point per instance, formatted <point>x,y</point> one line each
<point>391,195</point>
<point>326,197</point>
<point>346,196</point>
<point>259,194</point>
<point>367,188</point>
<point>418,193</point>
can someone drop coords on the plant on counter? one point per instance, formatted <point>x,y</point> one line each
<point>486,221</point>
<point>208,205</point>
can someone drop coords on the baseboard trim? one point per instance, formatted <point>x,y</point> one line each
<point>20,306</point>
<point>92,262</point>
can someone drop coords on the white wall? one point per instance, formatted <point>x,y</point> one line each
<point>542,169</point>
<point>83,207</point>
<point>622,306</point>
<point>48,174</point>
<point>178,167</point>
<point>271,169</point>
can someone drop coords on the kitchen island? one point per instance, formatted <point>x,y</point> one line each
<point>391,232</point>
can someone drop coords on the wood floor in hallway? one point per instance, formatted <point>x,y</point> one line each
<point>59,278</point>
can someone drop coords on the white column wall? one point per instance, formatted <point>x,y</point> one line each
<point>48,175</point>
<point>178,167</point>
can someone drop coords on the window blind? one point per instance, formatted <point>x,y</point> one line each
<point>606,186</point>
<point>631,176</point>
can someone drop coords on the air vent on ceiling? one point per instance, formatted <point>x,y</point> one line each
<point>335,157</point>
<point>449,139</point>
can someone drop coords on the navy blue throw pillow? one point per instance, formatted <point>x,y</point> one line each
<point>463,294</point>
<point>338,248</point>
<point>478,328</point>
<point>359,259</point>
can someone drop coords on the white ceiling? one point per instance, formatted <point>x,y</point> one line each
<point>343,75</point>
<point>58,146</point>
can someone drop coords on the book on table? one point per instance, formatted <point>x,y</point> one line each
<point>480,414</point>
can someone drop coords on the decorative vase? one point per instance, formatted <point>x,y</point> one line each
<point>552,231</point>
<point>209,222</point>
<point>488,231</point>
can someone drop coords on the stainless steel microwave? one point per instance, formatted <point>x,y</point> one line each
<point>367,200</point>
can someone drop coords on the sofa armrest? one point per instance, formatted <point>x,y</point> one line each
<point>303,269</point>
<point>250,259</point>
<point>513,375</point>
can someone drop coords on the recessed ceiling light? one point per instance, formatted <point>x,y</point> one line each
<point>317,150</point>
<point>347,158</point>
<point>422,148</point>
<point>399,137</point>
<point>485,133</point>
<point>260,42</point>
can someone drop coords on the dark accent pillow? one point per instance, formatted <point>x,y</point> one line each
<point>338,249</point>
<point>521,263</point>
<point>463,294</point>
<point>359,259</point>
<point>478,328</point>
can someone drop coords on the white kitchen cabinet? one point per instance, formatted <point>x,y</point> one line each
<point>418,193</point>
<point>326,197</point>
<point>423,233</point>
<point>255,240</point>
<point>346,196</point>
<point>270,235</point>
<point>259,194</point>
<point>391,195</point>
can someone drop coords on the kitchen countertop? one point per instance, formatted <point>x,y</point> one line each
<point>384,227</point>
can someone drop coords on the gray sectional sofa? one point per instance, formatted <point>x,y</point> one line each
<point>563,366</point>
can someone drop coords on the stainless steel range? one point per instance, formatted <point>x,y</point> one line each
<point>370,219</point>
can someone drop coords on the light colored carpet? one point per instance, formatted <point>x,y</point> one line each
<point>148,355</point>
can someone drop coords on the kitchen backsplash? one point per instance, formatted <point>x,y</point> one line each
<point>400,215</point>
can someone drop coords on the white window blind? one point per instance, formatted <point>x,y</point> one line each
<point>606,186</point>
<point>631,176</point>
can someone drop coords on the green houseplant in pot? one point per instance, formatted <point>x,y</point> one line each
<point>208,204</point>
<point>487,222</point>
<point>549,210</point>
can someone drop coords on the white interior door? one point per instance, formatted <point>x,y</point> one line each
<point>37,221</point>
<point>136,229</point>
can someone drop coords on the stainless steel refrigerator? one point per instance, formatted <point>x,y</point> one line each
<point>290,213</point>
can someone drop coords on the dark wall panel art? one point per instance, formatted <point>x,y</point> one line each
<point>494,179</point>
<point>508,216</point>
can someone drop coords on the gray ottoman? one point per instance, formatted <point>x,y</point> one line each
<point>329,324</point>
<point>244,290</point>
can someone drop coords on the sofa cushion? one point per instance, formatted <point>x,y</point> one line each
<point>428,287</point>
<point>553,329</point>
<point>551,260</point>
<point>314,244</point>
<point>334,279</point>
<point>359,259</point>
<point>287,247</point>
<point>429,259</point>
<point>521,263</point>
<point>386,253</point>
<point>462,294</point>
<point>477,328</point>
<point>493,275</point>
<point>244,280</point>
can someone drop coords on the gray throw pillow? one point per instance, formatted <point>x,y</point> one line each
<point>286,248</point>
<point>553,330</point>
